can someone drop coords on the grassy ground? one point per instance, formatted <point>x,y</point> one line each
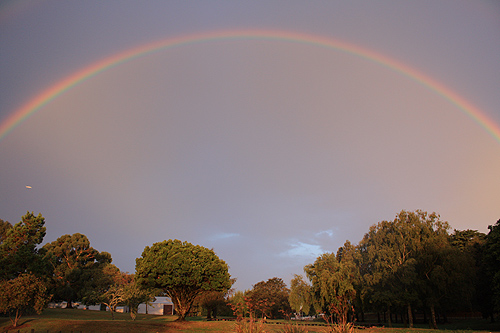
<point>73,320</point>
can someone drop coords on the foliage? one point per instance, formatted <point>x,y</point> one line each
<point>183,271</point>
<point>112,298</point>
<point>332,281</point>
<point>249,324</point>
<point>18,248</point>
<point>77,268</point>
<point>300,297</point>
<point>5,226</point>
<point>270,298</point>
<point>22,294</point>
<point>391,253</point>
<point>492,264</point>
<point>212,301</point>
<point>133,295</point>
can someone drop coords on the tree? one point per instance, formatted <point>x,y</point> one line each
<point>212,301</point>
<point>300,297</point>
<point>5,226</point>
<point>333,286</point>
<point>470,244</point>
<point>444,274</point>
<point>18,248</point>
<point>273,297</point>
<point>112,298</point>
<point>77,267</point>
<point>134,295</point>
<point>183,271</point>
<point>22,294</point>
<point>392,249</point>
<point>491,258</point>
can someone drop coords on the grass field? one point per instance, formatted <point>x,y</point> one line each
<point>73,320</point>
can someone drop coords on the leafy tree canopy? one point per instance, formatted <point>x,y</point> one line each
<point>18,248</point>
<point>183,271</point>
<point>270,298</point>
<point>4,228</point>
<point>22,294</point>
<point>300,298</point>
<point>77,267</point>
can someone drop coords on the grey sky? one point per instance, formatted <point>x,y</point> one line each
<point>268,152</point>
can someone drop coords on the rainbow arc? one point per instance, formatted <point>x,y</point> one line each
<point>52,92</point>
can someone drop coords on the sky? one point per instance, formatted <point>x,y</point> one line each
<point>268,150</point>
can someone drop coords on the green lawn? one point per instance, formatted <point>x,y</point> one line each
<point>73,320</point>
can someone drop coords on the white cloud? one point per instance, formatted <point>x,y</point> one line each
<point>301,249</point>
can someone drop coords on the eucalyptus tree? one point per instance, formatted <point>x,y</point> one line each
<point>77,267</point>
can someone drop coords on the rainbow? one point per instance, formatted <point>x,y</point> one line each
<point>44,97</point>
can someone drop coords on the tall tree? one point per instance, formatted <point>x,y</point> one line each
<point>76,265</point>
<point>183,271</point>
<point>491,267</point>
<point>333,283</point>
<point>300,298</point>
<point>19,252</point>
<point>392,249</point>
<point>442,274</point>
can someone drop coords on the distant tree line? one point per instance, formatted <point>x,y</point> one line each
<point>409,265</point>
<point>69,269</point>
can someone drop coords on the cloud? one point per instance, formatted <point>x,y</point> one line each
<point>224,235</point>
<point>328,232</point>
<point>301,249</point>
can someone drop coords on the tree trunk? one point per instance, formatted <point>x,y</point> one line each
<point>433,317</point>
<point>389,316</point>
<point>209,313</point>
<point>410,316</point>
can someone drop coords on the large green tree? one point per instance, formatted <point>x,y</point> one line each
<point>392,250</point>
<point>77,267</point>
<point>182,271</point>
<point>19,252</point>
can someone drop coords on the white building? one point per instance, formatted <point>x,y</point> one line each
<point>162,306</point>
